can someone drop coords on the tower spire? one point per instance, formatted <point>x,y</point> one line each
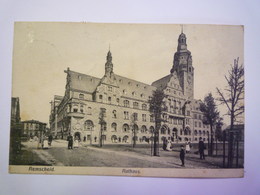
<point>181,28</point>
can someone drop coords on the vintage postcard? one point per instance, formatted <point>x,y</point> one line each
<point>153,100</point>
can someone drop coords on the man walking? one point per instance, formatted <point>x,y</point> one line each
<point>182,155</point>
<point>70,141</point>
<point>201,149</point>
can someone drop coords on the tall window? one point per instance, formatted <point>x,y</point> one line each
<point>135,115</point>
<point>125,127</point>
<point>151,118</point>
<point>109,100</point>
<point>114,126</point>
<point>100,98</point>
<point>89,111</point>
<point>81,108</point>
<point>109,88</point>
<point>144,106</point>
<point>126,115</point>
<point>135,105</point>
<point>114,113</point>
<point>144,117</point>
<point>89,125</point>
<point>143,129</point>
<point>126,103</point>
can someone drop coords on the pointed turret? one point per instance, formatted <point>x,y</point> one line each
<point>109,64</point>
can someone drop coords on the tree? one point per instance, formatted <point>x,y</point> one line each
<point>233,98</point>
<point>156,107</point>
<point>210,116</point>
<point>102,122</point>
<point>134,129</point>
<point>219,133</point>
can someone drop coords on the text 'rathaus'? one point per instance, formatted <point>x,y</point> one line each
<point>125,107</point>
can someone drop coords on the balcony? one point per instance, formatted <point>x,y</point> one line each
<point>76,114</point>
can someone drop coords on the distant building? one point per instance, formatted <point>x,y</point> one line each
<point>125,102</point>
<point>33,128</point>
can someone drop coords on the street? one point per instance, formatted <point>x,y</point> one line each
<point>113,156</point>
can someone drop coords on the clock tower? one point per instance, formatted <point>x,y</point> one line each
<point>182,64</point>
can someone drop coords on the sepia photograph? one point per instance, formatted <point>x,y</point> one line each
<point>149,100</point>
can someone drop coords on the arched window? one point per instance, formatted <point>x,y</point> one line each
<point>195,132</point>
<point>125,128</point>
<point>199,132</point>
<point>114,139</point>
<point>204,133</point>
<point>151,129</point>
<point>89,125</point>
<point>135,105</point>
<point>114,126</point>
<point>164,129</point>
<point>135,128</point>
<point>81,96</point>
<point>143,129</point>
<point>81,108</point>
<point>109,100</point>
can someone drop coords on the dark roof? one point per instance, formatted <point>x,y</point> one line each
<point>83,82</point>
<point>161,83</point>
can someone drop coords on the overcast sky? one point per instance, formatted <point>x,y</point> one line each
<point>42,51</point>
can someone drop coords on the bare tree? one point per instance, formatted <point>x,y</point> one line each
<point>210,116</point>
<point>233,97</point>
<point>156,107</point>
<point>234,93</point>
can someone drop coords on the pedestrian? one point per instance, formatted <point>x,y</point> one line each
<point>164,144</point>
<point>182,156</point>
<point>45,143</point>
<point>187,147</point>
<point>70,141</point>
<point>169,145</point>
<point>50,140</point>
<point>76,142</point>
<point>201,149</point>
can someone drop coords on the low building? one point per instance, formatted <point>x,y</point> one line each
<point>124,103</point>
<point>33,128</point>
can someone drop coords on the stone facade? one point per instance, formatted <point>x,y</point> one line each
<point>125,105</point>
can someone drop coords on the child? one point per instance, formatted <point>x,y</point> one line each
<point>182,155</point>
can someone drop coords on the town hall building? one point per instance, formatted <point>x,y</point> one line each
<point>124,105</point>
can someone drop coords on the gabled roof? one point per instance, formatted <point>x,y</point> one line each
<point>132,86</point>
<point>162,83</point>
<point>83,82</point>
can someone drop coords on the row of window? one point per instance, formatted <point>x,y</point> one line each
<point>125,128</point>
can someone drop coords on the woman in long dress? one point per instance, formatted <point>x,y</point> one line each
<point>187,147</point>
<point>76,142</point>
<point>169,145</point>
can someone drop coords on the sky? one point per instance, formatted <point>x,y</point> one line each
<point>143,52</point>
